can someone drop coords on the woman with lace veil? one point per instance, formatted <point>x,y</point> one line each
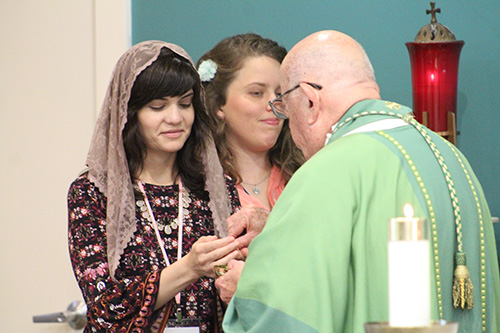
<point>147,218</point>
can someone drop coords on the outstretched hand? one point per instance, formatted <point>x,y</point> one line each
<point>251,219</point>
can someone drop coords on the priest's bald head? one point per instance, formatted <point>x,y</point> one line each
<point>334,73</point>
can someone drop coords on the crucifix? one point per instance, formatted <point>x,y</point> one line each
<point>433,12</point>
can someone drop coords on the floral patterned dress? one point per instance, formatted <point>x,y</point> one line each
<point>127,305</point>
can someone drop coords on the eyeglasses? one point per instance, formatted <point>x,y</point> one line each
<point>278,106</point>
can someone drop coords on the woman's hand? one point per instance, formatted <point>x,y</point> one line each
<point>205,253</point>
<point>251,219</point>
<point>209,251</point>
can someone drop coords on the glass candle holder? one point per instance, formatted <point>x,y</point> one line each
<point>434,72</point>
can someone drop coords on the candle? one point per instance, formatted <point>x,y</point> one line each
<point>409,271</point>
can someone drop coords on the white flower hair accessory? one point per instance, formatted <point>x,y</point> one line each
<point>207,70</point>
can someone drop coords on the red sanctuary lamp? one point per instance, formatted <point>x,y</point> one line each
<point>434,57</point>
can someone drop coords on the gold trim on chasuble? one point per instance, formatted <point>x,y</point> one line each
<point>432,217</point>
<point>459,300</point>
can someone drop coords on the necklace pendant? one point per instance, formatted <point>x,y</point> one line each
<point>168,230</point>
<point>256,190</point>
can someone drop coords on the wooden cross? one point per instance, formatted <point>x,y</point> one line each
<point>433,12</point>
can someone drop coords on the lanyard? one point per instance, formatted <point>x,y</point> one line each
<point>180,220</point>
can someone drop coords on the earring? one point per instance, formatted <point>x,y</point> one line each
<point>220,114</point>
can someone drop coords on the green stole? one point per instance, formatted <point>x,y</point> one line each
<point>442,207</point>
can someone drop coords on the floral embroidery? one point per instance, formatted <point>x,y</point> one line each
<point>128,304</point>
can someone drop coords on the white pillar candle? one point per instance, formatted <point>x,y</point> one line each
<point>409,271</point>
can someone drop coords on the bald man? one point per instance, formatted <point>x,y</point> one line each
<point>320,264</point>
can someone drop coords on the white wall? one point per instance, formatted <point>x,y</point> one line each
<point>56,58</point>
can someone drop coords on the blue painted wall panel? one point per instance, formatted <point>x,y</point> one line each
<point>382,27</point>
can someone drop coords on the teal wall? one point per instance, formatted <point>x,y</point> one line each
<point>383,28</point>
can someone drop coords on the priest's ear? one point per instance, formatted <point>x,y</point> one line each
<point>314,96</point>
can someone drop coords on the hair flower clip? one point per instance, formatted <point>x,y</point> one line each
<point>207,70</point>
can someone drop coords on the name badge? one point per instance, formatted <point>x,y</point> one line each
<point>181,330</point>
<point>184,326</point>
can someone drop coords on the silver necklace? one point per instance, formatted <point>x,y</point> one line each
<point>147,213</point>
<point>165,226</point>
<point>255,187</point>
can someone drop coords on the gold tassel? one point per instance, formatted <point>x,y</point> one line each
<point>462,284</point>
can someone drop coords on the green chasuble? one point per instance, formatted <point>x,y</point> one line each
<point>320,264</point>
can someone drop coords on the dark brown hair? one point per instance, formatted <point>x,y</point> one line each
<point>169,75</point>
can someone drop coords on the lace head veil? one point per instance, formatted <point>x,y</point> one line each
<point>107,162</point>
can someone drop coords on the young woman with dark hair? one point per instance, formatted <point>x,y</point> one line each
<point>142,218</point>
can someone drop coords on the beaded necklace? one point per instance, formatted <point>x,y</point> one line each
<point>147,212</point>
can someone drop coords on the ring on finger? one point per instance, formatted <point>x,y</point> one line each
<point>220,270</point>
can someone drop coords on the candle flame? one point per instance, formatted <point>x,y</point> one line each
<point>433,76</point>
<point>408,210</point>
